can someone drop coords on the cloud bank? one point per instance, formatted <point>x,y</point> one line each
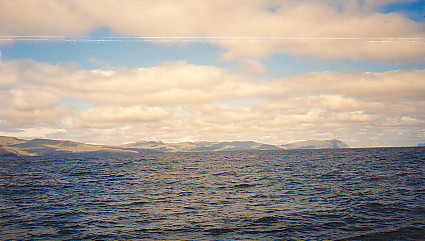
<point>180,101</point>
<point>252,29</point>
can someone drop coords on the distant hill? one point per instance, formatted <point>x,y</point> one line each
<point>232,145</point>
<point>7,140</point>
<point>40,147</point>
<point>201,146</point>
<point>10,146</point>
<point>316,144</point>
<point>5,153</point>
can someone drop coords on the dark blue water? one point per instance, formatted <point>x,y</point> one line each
<point>351,194</point>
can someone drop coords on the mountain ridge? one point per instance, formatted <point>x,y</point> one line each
<point>317,144</point>
<point>12,146</point>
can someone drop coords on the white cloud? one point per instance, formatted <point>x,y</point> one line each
<point>40,18</point>
<point>8,75</point>
<point>389,86</point>
<point>251,67</point>
<point>168,84</point>
<point>30,107</point>
<point>30,99</point>
<point>113,116</point>
<point>178,100</point>
<point>34,132</point>
<point>323,29</point>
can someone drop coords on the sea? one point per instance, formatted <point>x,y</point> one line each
<point>334,194</point>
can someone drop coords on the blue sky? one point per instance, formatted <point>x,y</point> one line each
<point>236,71</point>
<point>133,54</point>
<point>143,54</point>
<point>414,10</point>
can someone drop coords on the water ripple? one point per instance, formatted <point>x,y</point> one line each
<point>358,194</point>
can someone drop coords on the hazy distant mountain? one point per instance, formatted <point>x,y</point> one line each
<point>201,146</point>
<point>39,147</point>
<point>10,146</point>
<point>4,152</point>
<point>316,144</point>
<point>7,140</point>
<point>157,145</point>
<point>232,145</point>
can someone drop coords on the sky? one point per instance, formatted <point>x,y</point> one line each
<point>272,71</point>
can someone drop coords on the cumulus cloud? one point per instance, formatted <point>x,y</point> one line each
<point>389,86</point>
<point>8,75</point>
<point>112,116</point>
<point>251,67</point>
<point>243,29</point>
<point>173,83</point>
<point>29,107</point>
<point>178,100</point>
<point>40,18</point>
